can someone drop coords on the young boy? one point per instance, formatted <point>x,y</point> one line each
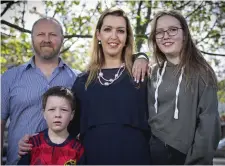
<point>54,146</point>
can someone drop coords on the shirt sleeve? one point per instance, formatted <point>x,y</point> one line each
<point>207,134</point>
<point>24,160</point>
<point>6,80</point>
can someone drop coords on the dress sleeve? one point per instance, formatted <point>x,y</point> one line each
<point>74,126</point>
<point>82,157</point>
<point>207,134</point>
<point>24,160</point>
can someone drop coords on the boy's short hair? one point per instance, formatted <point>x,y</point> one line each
<point>59,91</point>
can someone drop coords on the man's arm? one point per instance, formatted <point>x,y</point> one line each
<point>6,80</point>
<point>2,136</point>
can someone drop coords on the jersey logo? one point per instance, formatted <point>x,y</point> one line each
<point>70,162</point>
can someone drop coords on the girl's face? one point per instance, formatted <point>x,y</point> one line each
<point>113,35</point>
<point>169,35</point>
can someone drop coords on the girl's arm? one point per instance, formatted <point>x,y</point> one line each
<point>207,134</point>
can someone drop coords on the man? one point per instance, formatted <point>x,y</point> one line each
<point>23,86</point>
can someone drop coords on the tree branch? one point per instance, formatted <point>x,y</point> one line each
<point>66,49</point>
<point>181,7</point>
<point>28,31</point>
<point>206,36</point>
<point>7,35</point>
<point>198,8</point>
<point>9,4</point>
<point>138,18</point>
<point>214,54</point>
<point>79,36</point>
<point>98,4</point>
<point>15,26</point>
<point>2,2</point>
<point>34,11</point>
<point>23,13</point>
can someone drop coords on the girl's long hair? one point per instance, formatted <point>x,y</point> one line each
<point>190,56</point>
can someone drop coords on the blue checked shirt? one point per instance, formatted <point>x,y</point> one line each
<point>21,90</point>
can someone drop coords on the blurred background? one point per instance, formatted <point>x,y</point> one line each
<point>206,21</point>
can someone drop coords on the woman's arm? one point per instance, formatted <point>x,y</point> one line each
<point>24,160</point>
<point>74,126</point>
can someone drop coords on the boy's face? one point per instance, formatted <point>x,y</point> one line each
<point>58,113</point>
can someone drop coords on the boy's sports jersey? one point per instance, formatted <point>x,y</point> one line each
<point>45,152</point>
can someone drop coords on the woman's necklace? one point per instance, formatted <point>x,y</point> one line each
<point>107,82</point>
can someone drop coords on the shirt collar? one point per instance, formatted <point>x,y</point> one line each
<point>31,63</point>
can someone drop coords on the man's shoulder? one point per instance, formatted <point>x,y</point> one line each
<point>13,71</point>
<point>82,76</point>
<point>73,71</point>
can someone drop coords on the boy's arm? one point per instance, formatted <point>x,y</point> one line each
<point>25,160</point>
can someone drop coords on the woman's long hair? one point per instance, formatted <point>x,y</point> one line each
<point>97,55</point>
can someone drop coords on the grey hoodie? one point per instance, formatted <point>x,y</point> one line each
<point>196,130</point>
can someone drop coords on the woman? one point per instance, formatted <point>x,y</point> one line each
<point>113,108</point>
<point>182,97</point>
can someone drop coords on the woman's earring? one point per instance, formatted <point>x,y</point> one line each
<point>99,42</point>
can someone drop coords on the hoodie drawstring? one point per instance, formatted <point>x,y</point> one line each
<point>159,81</point>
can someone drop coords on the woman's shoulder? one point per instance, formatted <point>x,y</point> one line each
<point>82,77</point>
<point>80,81</point>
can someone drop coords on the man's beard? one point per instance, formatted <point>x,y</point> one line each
<point>47,55</point>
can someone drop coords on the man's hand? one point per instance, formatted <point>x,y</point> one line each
<point>23,145</point>
<point>140,69</point>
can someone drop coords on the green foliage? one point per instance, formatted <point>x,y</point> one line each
<point>205,19</point>
<point>14,49</point>
<point>221,91</point>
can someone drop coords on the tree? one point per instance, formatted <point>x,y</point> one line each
<point>79,17</point>
<point>221,91</point>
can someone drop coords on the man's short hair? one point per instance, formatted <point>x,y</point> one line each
<point>47,18</point>
<point>59,91</point>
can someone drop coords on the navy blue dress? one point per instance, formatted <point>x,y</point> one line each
<point>112,120</point>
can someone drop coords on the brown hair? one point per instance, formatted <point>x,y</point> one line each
<point>190,56</point>
<point>59,91</point>
<point>97,55</point>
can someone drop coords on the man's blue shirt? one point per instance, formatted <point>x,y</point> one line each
<point>22,88</point>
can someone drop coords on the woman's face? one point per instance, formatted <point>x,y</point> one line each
<point>169,35</point>
<point>113,35</point>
